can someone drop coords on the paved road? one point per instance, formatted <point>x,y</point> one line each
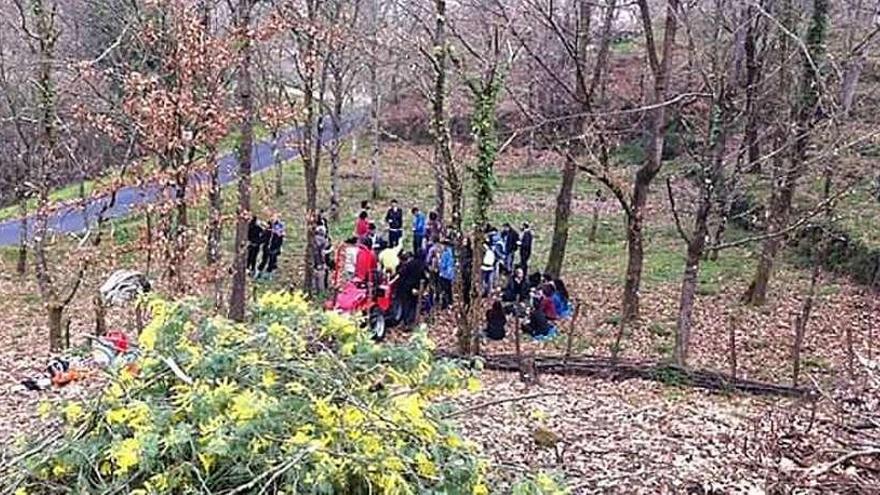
<point>75,219</point>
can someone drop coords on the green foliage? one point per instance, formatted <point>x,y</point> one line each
<point>484,127</point>
<point>299,400</point>
<point>672,377</point>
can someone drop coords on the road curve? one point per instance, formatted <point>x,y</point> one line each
<point>77,218</point>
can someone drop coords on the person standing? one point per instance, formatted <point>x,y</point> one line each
<point>446,274</point>
<point>411,272</point>
<point>496,243</point>
<point>366,262</point>
<point>362,226</point>
<point>319,259</point>
<point>418,227</point>
<point>272,248</point>
<point>372,235</point>
<point>321,221</point>
<point>525,247</point>
<point>488,268</point>
<point>256,238</point>
<point>435,226</point>
<point>511,244</point>
<point>432,252</point>
<point>394,221</point>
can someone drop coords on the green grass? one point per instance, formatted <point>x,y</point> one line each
<point>64,194</point>
<point>624,47</point>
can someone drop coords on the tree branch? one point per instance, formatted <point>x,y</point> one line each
<point>678,226</point>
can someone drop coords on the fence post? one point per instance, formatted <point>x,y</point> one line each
<point>570,342</point>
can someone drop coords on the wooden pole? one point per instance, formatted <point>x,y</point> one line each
<point>519,359</point>
<point>570,343</point>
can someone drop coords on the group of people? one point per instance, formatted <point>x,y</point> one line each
<point>426,269</point>
<point>430,266</point>
<point>500,249</point>
<point>539,301</point>
<point>266,238</point>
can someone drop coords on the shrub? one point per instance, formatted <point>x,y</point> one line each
<point>297,401</point>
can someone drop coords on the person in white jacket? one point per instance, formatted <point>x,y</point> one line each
<point>488,269</point>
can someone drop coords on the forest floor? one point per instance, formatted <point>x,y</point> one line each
<point>624,437</point>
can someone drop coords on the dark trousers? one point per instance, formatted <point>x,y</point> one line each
<point>445,292</point>
<point>524,263</point>
<point>253,250</point>
<point>270,261</point>
<point>417,243</point>
<point>408,304</point>
<point>466,285</point>
<point>394,236</point>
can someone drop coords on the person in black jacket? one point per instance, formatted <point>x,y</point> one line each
<point>496,321</point>
<point>525,247</point>
<point>257,236</point>
<point>517,289</point>
<point>511,244</point>
<point>394,220</point>
<point>411,272</point>
<point>272,248</point>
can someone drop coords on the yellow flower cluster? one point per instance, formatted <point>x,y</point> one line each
<point>339,326</point>
<point>248,405</point>
<point>126,454</point>
<point>159,310</point>
<point>137,416</point>
<point>256,390</point>
<point>72,412</point>
<point>295,303</point>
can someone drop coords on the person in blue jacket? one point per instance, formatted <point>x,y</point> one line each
<point>447,274</point>
<point>419,225</point>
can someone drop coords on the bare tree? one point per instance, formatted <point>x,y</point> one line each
<point>660,63</point>
<point>793,136</point>
<point>244,95</point>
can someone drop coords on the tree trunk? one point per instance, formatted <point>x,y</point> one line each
<point>215,227</point>
<point>660,67</point>
<point>635,259</point>
<point>446,173</point>
<point>44,20</point>
<point>375,112</point>
<point>334,175</point>
<point>569,171</point>
<point>563,213</point>
<point>594,221</point>
<point>238,294</point>
<point>753,74</point>
<point>57,338</point>
<point>181,231</point>
<point>278,163</point>
<point>805,120</point>
<point>335,160</point>
<point>100,315</point>
<point>311,146</point>
<point>21,267</point>
<point>712,176</point>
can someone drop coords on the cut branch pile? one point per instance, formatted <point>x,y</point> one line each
<point>622,369</point>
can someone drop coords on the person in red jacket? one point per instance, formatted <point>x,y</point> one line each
<point>362,226</point>
<point>546,306</point>
<point>366,264</point>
